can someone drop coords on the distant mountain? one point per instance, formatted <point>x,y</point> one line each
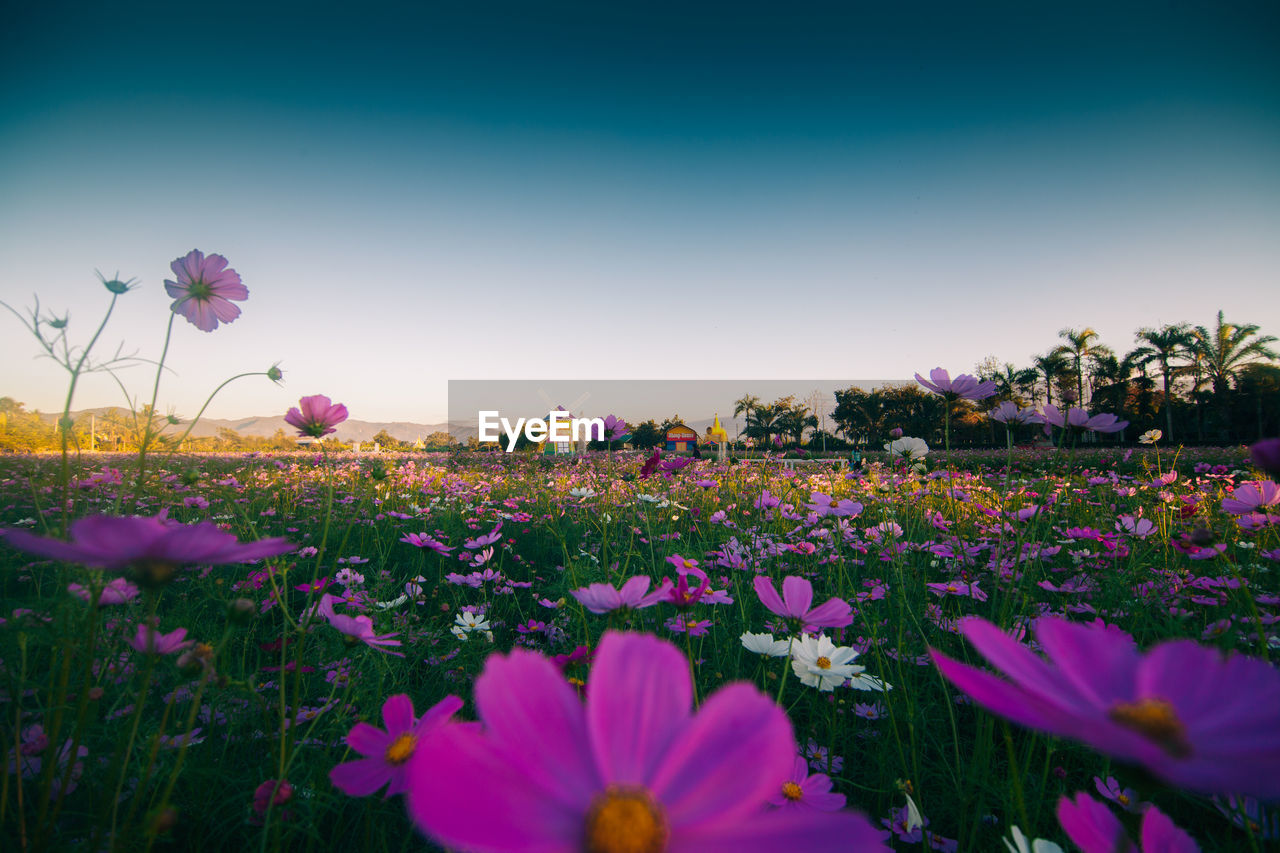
<point>351,430</point>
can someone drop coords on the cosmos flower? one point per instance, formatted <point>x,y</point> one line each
<point>633,770</point>
<point>1008,413</point>
<point>802,792</point>
<point>147,640</point>
<point>820,663</point>
<point>1251,497</point>
<point>765,644</point>
<point>797,596</point>
<point>1265,455</point>
<point>361,628</point>
<point>825,505</point>
<point>1094,829</point>
<point>908,448</point>
<point>1151,436</point>
<point>318,416</point>
<point>964,386</point>
<point>154,546</point>
<point>387,753</point>
<point>604,598</point>
<point>204,289</point>
<point>1191,717</point>
<point>1079,418</point>
<point>422,540</point>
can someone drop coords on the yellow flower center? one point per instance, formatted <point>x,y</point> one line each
<point>823,663</point>
<point>1156,719</point>
<point>791,791</point>
<point>402,748</point>
<point>625,820</point>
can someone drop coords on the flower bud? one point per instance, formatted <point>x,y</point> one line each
<point>274,373</point>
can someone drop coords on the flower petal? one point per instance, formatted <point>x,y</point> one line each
<point>728,761</point>
<point>638,700</point>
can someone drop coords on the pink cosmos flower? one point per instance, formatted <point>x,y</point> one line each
<point>603,598</point>
<point>317,417</point>
<point>1265,455</point>
<point>147,640</point>
<point>118,542</point>
<point>1008,413</point>
<point>387,753</point>
<point>797,596</point>
<point>1095,829</point>
<point>650,464</point>
<point>1251,497</point>
<point>963,387</point>
<point>802,792</point>
<point>361,627</point>
<point>1081,419</point>
<point>825,505</point>
<point>633,770</point>
<point>204,289</point>
<point>422,540</point>
<point>1190,716</point>
<point>485,540</point>
<point>117,591</point>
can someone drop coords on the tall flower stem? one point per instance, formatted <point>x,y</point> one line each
<point>151,410</point>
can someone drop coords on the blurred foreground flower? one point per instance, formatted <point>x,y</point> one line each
<point>153,547</point>
<point>1094,829</point>
<point>317,417</point>
<point>634,771</point>
<point>1193,718</point>
<point>964,386</point>
<point>204,289</point>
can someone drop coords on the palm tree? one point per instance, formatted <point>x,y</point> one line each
<point>1080,345</point>
<point>1226,351</point>
<point>1010,381</point>
<point>1050,367</point>
<point>762,423</point>
<point>747,403</point>
<point>1161,346</point>
<point>794,421</point>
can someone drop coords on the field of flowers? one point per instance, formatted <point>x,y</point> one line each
<point>286,651</point>
<point>626,653</point>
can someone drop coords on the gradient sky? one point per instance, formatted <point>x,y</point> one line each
<point>488,190</point>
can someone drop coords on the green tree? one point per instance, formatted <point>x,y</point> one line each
<point>1161,346</point>
<point>1080,345</point>
<point>1224,351</point>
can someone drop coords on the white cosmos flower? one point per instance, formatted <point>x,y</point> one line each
<point>821,663</point>
<point>584,492</point>
<point>1022,844</point>
<point>395,602</point>
<point>469,622</point>
<point>765,644</point>
<point>862,681</point>
<point>1151,436</point>
<point>911,449</point>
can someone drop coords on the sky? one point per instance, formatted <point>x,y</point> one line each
<point>627,190</point>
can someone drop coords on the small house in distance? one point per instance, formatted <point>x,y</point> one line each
<point>681,439</point>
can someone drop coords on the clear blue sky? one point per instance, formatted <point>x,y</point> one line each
<point>631,190</point>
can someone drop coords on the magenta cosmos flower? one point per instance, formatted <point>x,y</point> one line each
<point>802,792</point>
<point>317,416</point>
<point>387,753</point>
<point>1251,497</point>
<point>634,771</point>
<point>1095,829</point>
<point>151,545</point>
<point>1077,417</point>
<point>963,387</point>
<point>604,598</point>
<point>204,290</point>
<point>1190,716</point>
<point>797,596</point>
